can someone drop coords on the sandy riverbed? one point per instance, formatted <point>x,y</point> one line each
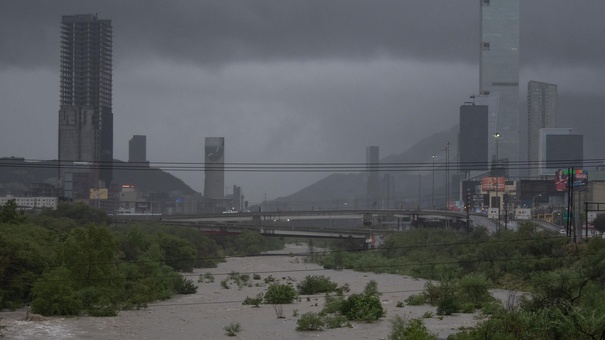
<point>204,314</point>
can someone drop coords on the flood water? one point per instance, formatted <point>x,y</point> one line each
<point>204,315</point>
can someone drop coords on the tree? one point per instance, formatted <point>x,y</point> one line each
<point>9,213</point>
<point>599,223</point>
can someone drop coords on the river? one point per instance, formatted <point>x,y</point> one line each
<point>204,315</point>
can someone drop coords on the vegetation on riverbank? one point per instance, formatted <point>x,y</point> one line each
<point>565,280</point>
<point>72,261</point>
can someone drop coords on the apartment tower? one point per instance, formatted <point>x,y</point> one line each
<point>85,113</point>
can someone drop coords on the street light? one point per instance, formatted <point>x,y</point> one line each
<point>496,137</point>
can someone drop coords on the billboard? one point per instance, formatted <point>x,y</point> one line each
<point>98,194</point>
<point>523,214</point>
<point>578,176</point>
<point>493,184</point>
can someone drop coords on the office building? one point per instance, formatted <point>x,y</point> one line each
<point>137,149</point>
<point>541,113</point>
<point>85,113</point>
<point>373,176</point>
<point>499,72</point>
<point>214,168</point>
<point>472,148</point>
<point>560,148</point>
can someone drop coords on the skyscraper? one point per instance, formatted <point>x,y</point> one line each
<point>499,71</point>
<point>541,113</point>
<point>373,176</point>
<point>85,114</point>
<point>214,168</point>
<point>137,149</point>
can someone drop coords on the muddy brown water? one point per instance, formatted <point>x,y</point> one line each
<point>204,315</point>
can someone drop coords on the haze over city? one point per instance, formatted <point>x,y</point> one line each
<point>289,81</point>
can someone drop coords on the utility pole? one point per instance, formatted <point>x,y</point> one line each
<point>433,189</point>
<point>447,180</point>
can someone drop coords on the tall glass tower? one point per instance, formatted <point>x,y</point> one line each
<point>85,114</point>
<point>499,74</point>
<point>541,113</point>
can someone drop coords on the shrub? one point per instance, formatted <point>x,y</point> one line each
<point>333,303</point>
<point>448,305</point>
<point>336,321</point>
<point>371,289</point>
<point>255,302</point>
<point>415,300</point>
<point>225,283</point>
<point>314,284</point>
<point>279,311</point>
<point>362,307</point>
<point>427,315</point>
<point>467,307</point>
<point>409,329</point>
<point>310,322</point>
<point>280,294</point>
<point>399,304</point>
<point>232,329</point>
<point>184,286</point>
<point>474,288</point>
<point>206,277</point>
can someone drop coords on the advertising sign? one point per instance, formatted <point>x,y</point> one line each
<point>493,183</point>
<point>98,194</point>
<point>523,214</point>
<point>579,177</point>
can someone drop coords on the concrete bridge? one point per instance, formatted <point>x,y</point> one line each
<point>356,224</point>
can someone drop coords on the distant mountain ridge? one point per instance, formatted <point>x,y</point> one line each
<point>16,175</point>
<point>335,190</point>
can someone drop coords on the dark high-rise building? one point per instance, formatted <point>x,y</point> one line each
<point>373,176</point>
<point>214,168</point>
<point>85,114</point>
<point>137,149</point>
<point>541,113</point>
<point>560,148</point>
<point>474,133</point>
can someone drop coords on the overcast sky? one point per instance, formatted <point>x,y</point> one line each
<point>284,81</point>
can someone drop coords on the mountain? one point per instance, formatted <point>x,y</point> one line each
<point>17,175</point>
<point>411,171</point>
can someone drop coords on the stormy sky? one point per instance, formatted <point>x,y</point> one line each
<point>285,81</point>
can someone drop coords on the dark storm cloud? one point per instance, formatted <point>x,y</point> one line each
<point>221,31</point>
<point>284,80</point>
<point>215,32</point>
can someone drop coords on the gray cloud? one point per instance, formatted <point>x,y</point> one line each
<point>283,81</point>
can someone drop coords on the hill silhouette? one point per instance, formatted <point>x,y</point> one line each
<point>342,191</point>
<point>17,174</point>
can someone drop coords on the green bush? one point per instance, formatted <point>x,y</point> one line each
<point>448,305</point>
<point>474,289</point>
<point>254,301</point>
<point>232,329</point>
<point>362,307</point>
<point>402,329</point>
<point>467,307</point>
<point>336,321</point>
<point>314,284</point>
<point>310,322</point>
<point>280,294</point>
<point>333,303</point>
<point>184,286</point>
<point>416,300</point>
